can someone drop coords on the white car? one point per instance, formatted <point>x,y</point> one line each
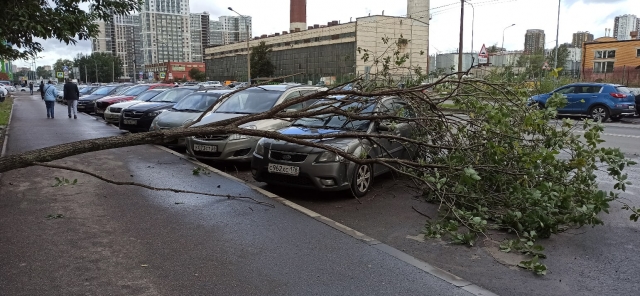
<point>3,90</point>
<point>112,113</point>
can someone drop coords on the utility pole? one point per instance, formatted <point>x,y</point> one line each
<point>86,74</point>
<point>555,62</point>
<point>113,70</point>
<point>460,48</point>
<point>97,81</point>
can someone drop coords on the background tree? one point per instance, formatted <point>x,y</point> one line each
<point>494,48</point>
<point>197,75</point>
<point>41,72</point>
<point>106,65</point>
<point>563,56</point>
<point>533,64</point>
<point>261,65</point>
<point>64,20</point>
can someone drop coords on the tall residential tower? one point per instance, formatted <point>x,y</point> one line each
<point>624,25</point>
<point>166,30</point>
<point>534,41</point>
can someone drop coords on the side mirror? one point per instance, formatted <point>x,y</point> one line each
<point>383,128</point>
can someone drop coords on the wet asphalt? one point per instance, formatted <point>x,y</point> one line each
<point>96,238</point>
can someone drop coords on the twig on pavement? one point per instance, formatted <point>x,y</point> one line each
<point>127,183</point>
<point>421,213</point>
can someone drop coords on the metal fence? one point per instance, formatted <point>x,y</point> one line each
<point>621,75</point>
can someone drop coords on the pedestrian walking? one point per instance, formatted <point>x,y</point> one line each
<point>31,87</point>
<point>41,89</point>
<point>50,94</point>
<point>71,95</point>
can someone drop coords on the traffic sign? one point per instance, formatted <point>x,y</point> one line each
<point>65,69</point>
<point>161,75</point>
<point>546,66</point>
<point>60,74</point>
<point>483,55</point>
<point>170,76</point>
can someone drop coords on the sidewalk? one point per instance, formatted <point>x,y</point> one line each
<point>97,238</point>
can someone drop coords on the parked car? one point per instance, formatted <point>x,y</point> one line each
<point>186,111</point>
<point>8,86</point>
<point>249,101</point>
<point>282,163</point>
<point>112,113</point>
<point>190,84</point>
<point>138,117</point>
<point>86,103</point>
<point>211,83</point>
<point>636,93</point>
<point>600,101</point>
<point>127,95</point>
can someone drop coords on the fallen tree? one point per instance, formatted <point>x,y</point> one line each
<point>496,163</point>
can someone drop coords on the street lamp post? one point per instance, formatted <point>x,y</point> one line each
<point>473,20</point>
<point>503,35</point>
<point>246,23</point>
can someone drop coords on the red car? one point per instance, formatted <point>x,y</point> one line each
<point>128,95</point>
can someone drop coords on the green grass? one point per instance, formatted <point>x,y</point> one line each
<point>5,110</point>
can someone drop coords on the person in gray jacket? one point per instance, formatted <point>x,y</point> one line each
<point>71,95</point>
<point>50,93</point>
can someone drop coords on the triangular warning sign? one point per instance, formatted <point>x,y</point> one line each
<point>545,66</point>
<point>483,52</point>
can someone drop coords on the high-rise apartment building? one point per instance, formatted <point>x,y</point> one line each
<point>580,38</point>
<point>534,41</point>
<point>624,25</point>
<point>229,29</point>
<point>166,34</point>
<point>120,36</point>
<point>199,26</point>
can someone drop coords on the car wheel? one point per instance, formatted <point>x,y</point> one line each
<point>541,106</point>
<point>362,180</point>
<point>599,113</point>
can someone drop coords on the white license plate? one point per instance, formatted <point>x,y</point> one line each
<point>99,111</point>
<point>283,169</point>
<point>131,121</point>
<point>80,106</point>
<point>632,107</point>
<point>205,148</point>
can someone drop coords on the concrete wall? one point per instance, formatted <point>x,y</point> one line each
<point>370,32</point>
<point>447,61</point>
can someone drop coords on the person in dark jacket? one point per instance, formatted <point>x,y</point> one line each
<point>71,95</point>
<point>31,87</point>
<point>41,88</point>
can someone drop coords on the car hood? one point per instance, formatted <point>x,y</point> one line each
<point>125,105</point>
<point>150,106</point>
<point>115,98</point>
<point>91,97</point>
<point>172,118</point>
<point>266,124</point>
<point>340,143</point>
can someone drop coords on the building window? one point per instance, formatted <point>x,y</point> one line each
<point>605,54</point>
<point>603,67</point>
<point>638,53</point>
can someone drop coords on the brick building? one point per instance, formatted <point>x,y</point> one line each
<point>173,71</point>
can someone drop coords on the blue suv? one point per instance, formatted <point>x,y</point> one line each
<point>600,101</point>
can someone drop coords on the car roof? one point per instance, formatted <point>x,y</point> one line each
<point>595,83</point>
<point>279,87</point>
<point>216,91</point>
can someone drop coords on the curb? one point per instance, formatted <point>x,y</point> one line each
<point>402,256</point>
<point>6,131</point>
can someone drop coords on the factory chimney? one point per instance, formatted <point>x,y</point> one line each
<point>298,15</point>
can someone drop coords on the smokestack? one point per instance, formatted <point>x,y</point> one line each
<point>298,15</point>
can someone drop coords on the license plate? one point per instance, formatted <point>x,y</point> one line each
<point>100,111</point>
<point>131,122</point>
<point>80,106</point>
<point>205,148</point>
<point>283,169</point>
<point>632,107</point>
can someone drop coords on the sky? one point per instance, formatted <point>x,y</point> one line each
<point>489,20</point>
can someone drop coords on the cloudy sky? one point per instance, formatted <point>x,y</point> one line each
<point>491,17</point>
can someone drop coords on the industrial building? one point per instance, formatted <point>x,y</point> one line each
<point>316,51</point>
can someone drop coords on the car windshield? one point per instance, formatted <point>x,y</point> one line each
<point>172,95</point>
<point>250,101</point>
<point>87,90</point>
<point>105,90</point>
<point>136,90</point>
<point>330,121</point>
<point>197,102</point>
<point>623,89</point>
<point>122,89</point>
<point>148,95</point>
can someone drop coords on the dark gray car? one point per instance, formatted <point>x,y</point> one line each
<point>187,110</point>
<point>282,163</point>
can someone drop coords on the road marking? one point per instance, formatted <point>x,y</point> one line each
<point>611,135</point>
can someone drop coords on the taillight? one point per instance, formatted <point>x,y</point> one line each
<point>618,95</point>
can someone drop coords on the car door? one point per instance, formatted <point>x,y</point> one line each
<point>385,147</point>
<point>569,93</point>
<point>590,95</point>
<point>290,96</point>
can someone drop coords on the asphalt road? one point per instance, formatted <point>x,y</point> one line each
<point>95,238</point>
<point>588,261</point>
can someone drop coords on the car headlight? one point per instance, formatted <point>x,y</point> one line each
<point>329,156</point>
<point>155,113</point>
<point>235,137</point>
<point>260,148</point>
